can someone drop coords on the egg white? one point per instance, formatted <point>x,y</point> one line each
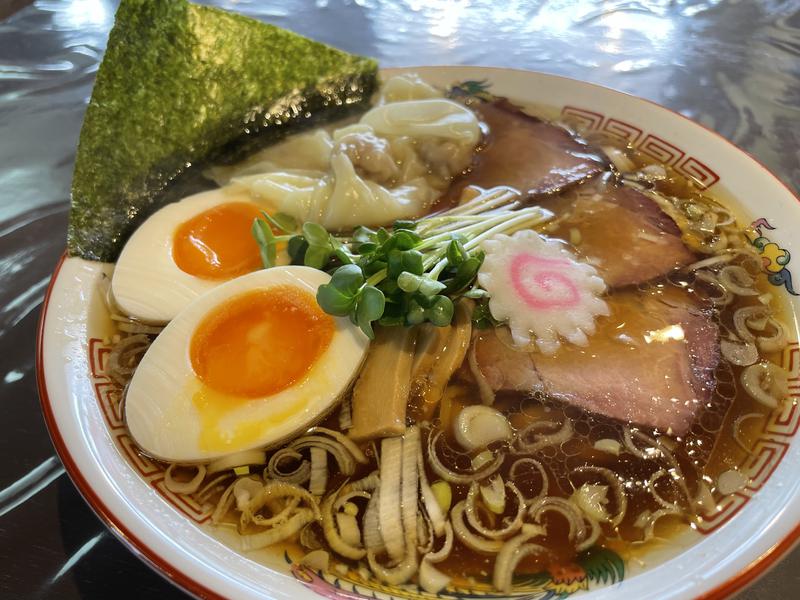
<point>147,284</point>
<point>159,410</point>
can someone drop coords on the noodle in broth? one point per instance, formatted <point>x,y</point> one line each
<point>563,481</point>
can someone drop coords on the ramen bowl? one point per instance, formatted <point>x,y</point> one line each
<point>750,529</point>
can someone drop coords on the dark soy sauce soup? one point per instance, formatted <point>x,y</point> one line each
<point>568,480</point>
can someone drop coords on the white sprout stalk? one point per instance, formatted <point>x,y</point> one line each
<point>506,222</point>
<point>530,216</point>
<point>492,198</point>
<point>492,212</point>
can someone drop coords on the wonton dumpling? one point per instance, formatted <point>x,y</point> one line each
<point>440,134</point>
<point>356,200</point>
<point>434,118</point>
<point>391,165</point>
<point>339,199</point>
<point>306,151</point>
<point>407,87</point>
<point>373,156</point>
<point>296,193</point>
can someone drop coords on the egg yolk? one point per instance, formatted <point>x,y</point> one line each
<point>261,342</point>
<point>216,244</point>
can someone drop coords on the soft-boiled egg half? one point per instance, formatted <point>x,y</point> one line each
<point>185,249</point>
<point>245,366</point>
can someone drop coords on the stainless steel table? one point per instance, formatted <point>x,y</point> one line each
<point>732,65</point>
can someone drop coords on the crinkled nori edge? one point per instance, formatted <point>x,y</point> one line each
<point>159,53</point>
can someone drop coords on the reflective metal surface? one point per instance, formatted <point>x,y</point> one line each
<point>733,65</point>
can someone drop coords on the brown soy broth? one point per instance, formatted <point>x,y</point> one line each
<point>706,451</point>
<point>709,448</point>
<point>523,409</point>
<point>559,462</point>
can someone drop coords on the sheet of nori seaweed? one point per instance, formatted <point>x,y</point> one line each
<point>182,86</point>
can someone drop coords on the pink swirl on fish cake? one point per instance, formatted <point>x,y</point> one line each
<point>542,283</point>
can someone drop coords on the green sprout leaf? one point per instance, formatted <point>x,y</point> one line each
<point>340,296</point>
<point>372,265</point>
<point>334,302</point>
<point>281,222</point>
<point>456,253</point>
<point>404,225</point>
<point>366,248</point>
<point>430,287</point>
<point>317,257</point>
<point>343,256</point>
<point>404,260</point>
<point>409,282</point>
<point>348,280</point>
<point>389,288</point>
<point>363,235</point>
<point>265,239</point>
<point>370,307</point>
<point>320,245</point>
<point>441,311</point>
<point>465,274</point>
<point>408,274</point>
<point>296,247</point>
<point>415,314</point>
<point>316,235</point>
<point>406,240</point>
<point>340,252</point>
<point>476,293</point>
<point>482,317</point>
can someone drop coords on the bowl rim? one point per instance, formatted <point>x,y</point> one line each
<point>109,519</point>
<point>733,584</point>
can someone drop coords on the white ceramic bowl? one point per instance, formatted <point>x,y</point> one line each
<point>750,531</point>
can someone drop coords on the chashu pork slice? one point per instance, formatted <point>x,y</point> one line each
<point>621,232</point>
<point>526,153</point>
<point>650,363</point>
